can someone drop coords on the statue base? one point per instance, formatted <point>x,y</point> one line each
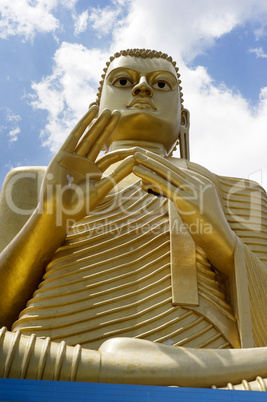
<point>54,391</point>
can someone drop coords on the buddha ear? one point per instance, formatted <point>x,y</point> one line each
<point>185,119</point>
<point>184,134</point>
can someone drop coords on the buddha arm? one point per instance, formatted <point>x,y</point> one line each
<point>23,261</point>
<point>125,360</point>
<point>19,198</point>
<point>72,186</point>
<point>196,201</point>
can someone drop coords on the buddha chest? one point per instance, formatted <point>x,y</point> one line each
<point>112,278</point>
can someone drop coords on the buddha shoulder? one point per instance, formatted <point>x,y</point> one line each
<point>18,198</point>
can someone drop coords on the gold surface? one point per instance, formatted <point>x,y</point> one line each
<point>101,283</point>
<point>112,277</point>
<point>183,262</point>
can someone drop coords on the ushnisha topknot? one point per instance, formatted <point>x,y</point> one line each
<point>144,53</point>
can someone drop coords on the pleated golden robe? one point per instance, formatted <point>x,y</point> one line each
<point>114,276</point>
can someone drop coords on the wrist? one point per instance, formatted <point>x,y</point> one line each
<point>220,251</point>
<point>56,218</point>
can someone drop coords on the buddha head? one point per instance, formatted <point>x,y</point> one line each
<point>144,86</point>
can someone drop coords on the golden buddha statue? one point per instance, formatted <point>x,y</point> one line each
<point>133,267</point>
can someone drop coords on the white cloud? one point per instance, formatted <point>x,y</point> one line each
<point>259,52</point>
<point>26,18</point>
<point>261,32</point>
<point>10,116</point>
<point>67,93</point>
<point>81,22</point>
<point>103,20</point>
<point>184,28</point>
<point>227,136</point>
<point>13,134</point>
<point>10,128</point>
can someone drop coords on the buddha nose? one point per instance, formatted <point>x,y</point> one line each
<point>142,87</point>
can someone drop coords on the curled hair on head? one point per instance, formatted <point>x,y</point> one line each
<point>145,54</point>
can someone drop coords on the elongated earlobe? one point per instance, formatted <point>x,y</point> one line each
<point>184,135</point>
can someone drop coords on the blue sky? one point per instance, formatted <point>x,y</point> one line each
<point>53,52</point>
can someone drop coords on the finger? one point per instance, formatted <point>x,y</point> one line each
<point>158,184</point>
<point>167,174</point>
<point>109,182</point>
<point>72,140</point>
<point>115,156</point>
<point>90,137</point>
<point>188,178</point>
<point>100,141</point>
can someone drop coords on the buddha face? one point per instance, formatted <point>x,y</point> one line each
<point>146,92</point>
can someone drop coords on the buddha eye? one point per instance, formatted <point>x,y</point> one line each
<point>162,85</point>
<point>122,82</point>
